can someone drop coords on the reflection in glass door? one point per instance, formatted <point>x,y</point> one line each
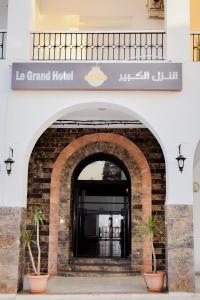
<point>110,235</point>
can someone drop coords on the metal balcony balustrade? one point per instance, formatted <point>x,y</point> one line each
<point>2,44</point>
<point>196,46</point>
<point>98,46</point>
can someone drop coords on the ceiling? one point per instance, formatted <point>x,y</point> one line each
<point>101,8</point>
<point>95,15</point>
<point>101,113</point>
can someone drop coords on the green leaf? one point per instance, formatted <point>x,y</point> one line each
<point>27,237</point>
<point>148,230</point>
<point>37,217</point>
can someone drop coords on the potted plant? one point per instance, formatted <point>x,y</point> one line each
<point>148,231</point>
<point>37,280</point>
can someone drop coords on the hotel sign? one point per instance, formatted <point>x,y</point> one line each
<point>97,76</point>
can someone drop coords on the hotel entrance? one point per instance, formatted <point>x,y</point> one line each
<point>100,183</point>
<point>101,210</point>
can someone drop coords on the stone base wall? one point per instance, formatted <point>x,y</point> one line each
<point>11,249</point>
<point>180,256</point>
<point>180,252</point>
<point>45,153</point>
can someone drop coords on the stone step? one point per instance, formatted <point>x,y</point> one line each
<point>98,274</point>
<point>81,266</point>
<point>100,267</point>
<point>100,261</point>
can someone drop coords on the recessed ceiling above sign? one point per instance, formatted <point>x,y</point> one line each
<point>97,76</point>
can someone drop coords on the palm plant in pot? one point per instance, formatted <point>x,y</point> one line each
<point>37,280</point>
<point>147,231</point>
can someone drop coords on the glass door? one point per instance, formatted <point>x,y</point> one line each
<point>101,216</point>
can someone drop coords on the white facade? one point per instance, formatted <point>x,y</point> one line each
<point>3,14</point>
<point>196,209</point>
<point>96,15</point>
<point>172,116</point>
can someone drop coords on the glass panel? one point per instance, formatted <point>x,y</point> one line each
<point>102,204</point>
<point>110,235</point>
<point>102,170</point>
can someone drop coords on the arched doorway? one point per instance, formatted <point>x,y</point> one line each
<point>101,222</point>
<point>48,161</point>
<point>60,231</point>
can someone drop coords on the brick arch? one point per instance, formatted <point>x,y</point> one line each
<point>134,154</point>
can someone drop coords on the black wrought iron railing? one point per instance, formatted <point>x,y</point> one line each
<point>98,46</point>
<point>195,46</point>
<point>2,44</point>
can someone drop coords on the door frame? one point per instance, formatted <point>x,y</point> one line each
<point>75,196</point>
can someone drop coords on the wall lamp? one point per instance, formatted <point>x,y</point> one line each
<point>180,159</point>
<point>9,161</point>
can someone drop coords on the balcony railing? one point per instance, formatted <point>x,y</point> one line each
<point>196,46</point>
<point>2,44</point>
<point>98,46</point>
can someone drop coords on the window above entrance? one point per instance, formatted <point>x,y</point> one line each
<point>102,170</point>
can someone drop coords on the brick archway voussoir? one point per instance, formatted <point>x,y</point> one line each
<point>65,154</point>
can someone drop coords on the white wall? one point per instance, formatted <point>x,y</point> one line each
<point>30,113</point>
<point>5,72</point>
<point>178,29</point>
<point>94,14</point>
<point>196,210</point>
<point>19,28</point>
<point>3,14</point>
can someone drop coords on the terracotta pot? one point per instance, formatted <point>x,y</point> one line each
<point>154,281</point>
<point>38,283</point>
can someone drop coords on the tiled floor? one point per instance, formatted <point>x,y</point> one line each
<point>105,288</point>
<point>97,285</point>
<point>100,285</point>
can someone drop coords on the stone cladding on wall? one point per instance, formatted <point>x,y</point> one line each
<point>180,248</point>
<point>45,153</point>
<point>11,249</point>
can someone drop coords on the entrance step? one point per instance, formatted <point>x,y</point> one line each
<point>100,260</point>
<point>98,274</point>
<point>99,267</point>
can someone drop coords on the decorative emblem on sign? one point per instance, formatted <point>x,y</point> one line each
<point>95,77</point>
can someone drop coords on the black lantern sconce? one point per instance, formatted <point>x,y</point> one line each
<point>9,161</point>
<point>180,159</point>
